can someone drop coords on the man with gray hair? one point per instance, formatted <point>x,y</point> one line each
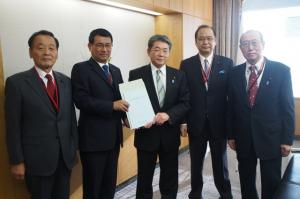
<point>169,96</point>
<point>262,117</point>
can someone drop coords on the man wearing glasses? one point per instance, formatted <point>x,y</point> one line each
<point>262,117</point>
<point>96,94</point>
<point>207,76</point>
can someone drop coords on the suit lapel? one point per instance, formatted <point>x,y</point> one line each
<point>114,75</point>
<point>241,84</point>
<point>61,86</point>
<point>149,83</point>
<point>37,85</point>
<point>170,78</point>
<point>264,82</point>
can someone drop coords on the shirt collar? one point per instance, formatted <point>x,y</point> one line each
<point>162,69</point>
<point>209,58</point>
<point>42,73</point>
<point>101,64</point>
<point>257,65</point>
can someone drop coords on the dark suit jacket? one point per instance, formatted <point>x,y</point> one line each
<point>176,104</point>
<point>271,122</point>
<point>100,127</point>
<point>35,131</point>
<point>211,102</point>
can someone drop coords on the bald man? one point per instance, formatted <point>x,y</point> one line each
<point>262,117</point>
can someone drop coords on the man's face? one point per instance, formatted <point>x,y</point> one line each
<point>205,41</point>
<point>43,52</point>
<point>101,48</point>
<point>251,46</point>
<point>159,53</point>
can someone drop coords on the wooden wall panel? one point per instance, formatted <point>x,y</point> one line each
<point>162,3</point>
<point>176,5</point>
<point>171,25</point>
<point>188,7</point>
<point>10,189</point>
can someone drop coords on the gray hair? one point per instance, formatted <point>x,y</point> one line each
<point>253,31</point>
<point>162,38</point>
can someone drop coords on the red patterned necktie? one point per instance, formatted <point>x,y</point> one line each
<point>252,86</point>
<point>51,90</point>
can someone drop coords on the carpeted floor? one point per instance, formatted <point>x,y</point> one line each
<point>209,190</point>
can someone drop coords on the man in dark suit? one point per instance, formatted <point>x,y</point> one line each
<point>96,93</point>
<point>41,123</point>
<point>169,96</point>
<point>262,117</point>
<point>207,76</point>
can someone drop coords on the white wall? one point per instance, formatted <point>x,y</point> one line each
<point>71,21</point>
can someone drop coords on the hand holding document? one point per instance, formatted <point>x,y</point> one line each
<point>140,111</point>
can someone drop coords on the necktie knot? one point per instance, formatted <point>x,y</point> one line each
<point>253,68</point>
<point>105,69</point>
<point>49,77</point>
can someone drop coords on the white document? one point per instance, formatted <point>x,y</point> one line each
<point>140,110</point>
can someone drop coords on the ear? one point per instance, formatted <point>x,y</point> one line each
<point>30,53</point>
<point>148,51</point>
<point>89,46</point>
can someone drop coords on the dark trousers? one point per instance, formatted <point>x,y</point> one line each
<point>270,176</point>
<point>99,171</point>
<point>168,180</point>
<point>198,146</point>
<point>55,186</point>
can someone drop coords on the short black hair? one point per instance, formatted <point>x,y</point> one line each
<point>99,32</point>
<point>204,26</point>
<point>42,32</point>
<point>162,38</point>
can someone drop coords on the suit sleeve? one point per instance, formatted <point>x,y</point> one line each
<point>287,109</point>
<point>13,110</point>
<point>178,112</point>
<point>82,97</point>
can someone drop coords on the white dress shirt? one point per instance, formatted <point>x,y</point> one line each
<point>258,66</point>
<point>42,75</point>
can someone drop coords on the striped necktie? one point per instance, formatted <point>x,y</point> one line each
<point>160,88</point>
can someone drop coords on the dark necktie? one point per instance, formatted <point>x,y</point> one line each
<point>107,74</point>
<point>206,67</point>
<point>51,90</point>
<point>252,86</point>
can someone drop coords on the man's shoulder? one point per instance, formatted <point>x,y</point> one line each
<point>20,75</point>
<point>139,69</point>
<point>61,75</point>
<point>223,58</point>
<point>277,65</point>
<point>190,59</point>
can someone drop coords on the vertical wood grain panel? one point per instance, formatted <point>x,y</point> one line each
<point>171,25</point>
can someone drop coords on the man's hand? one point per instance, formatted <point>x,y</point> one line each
<point>232,144</point>
<point>183,130</point>
<point>285,150</point>
<point>18,171</point>
<point>120,105</point>
<point>161,118</point>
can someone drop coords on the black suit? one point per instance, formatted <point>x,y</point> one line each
<point>162,140</point>
<point>100,127</point>
<point>259,131</point>
<point>44,139</point>
<point>206,121</point>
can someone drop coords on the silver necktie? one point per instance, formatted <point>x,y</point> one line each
<point>160,88</point>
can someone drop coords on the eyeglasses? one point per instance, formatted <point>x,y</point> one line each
<point>247,43</point>
<point>102,46</point>
<point>159,50</point>
<point>202,39</point>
